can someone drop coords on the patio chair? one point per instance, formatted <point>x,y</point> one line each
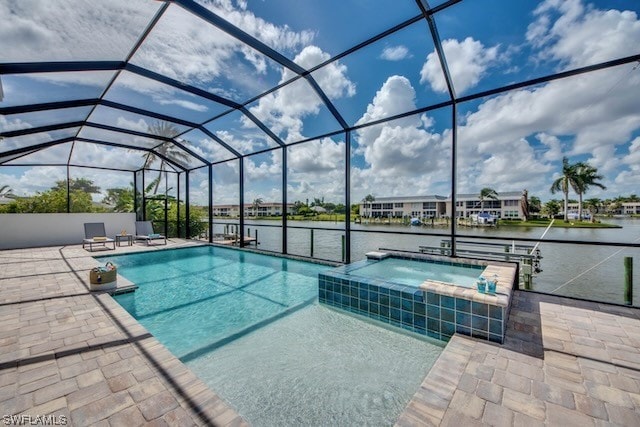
<point>94,234</point>
<point>144,231</point>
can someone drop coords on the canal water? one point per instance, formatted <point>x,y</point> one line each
<point>582,271</point>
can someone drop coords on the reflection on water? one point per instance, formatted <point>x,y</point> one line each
<point>583,271</point>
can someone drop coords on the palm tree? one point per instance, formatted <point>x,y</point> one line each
<point>593,206</point>
<point>568,179</point>
<point>369,198</point>
<point>256,205</point>
<point>535,205</point>
<point>7,192</point>
<point>587,176</point>
<point>487,193</point>
<point>166,149</point>
<point>551,208</point>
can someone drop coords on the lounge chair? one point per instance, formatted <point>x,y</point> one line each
<point>144,231</point>
<point>94,234</point>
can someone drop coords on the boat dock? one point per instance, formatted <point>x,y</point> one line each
<point>234,240</point>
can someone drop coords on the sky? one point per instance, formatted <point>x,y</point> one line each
<point>511,141</point>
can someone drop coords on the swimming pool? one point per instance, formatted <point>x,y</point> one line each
<point>251,327</point>
<point>425,294</point>
<point>414,273</point>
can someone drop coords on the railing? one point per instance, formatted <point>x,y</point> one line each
<point>574,268</point>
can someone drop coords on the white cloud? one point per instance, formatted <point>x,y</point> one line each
<point>316,169</point>
<point>402,157</point>
<point>57,154</point>
<point>23,141</point>
<point>278,37</point>
<point>225,182</point>
<point>7,125</point>
<point>262,170</point>
<point>283,111</point>
<point>180,46</point>
<point>403,151</point>
<point>582,35</point>
<point>594,114</point>
<point>395,53</point>
<point>12,182</point>
<point>396,96</point>
<point>580,106</point>
<point>509,142</point>
<point>67,30</point>
<point>188,49</point>
<point>332,78</point>
<point>65,80</point>
<point>319,156</point>
<point>633,158</point>
<point>139,126</point>
<point>575,116</point>
<point>515,140</point>
<point>510,170</point>
<point>97,155</point>
<point>554,149</point>
<point>244,143</point>
<point>627,180</point>
<point>625,183</point>
<point>32,180</point>
<point>209,149</point>
<point>184,104</point>
<point>158,92</point>
<point>467,62</point>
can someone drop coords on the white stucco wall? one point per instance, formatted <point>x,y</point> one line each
<point>34,230</point>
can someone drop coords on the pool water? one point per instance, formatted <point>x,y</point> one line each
<point>251,327</point>
<point>194,299</point>
<point>414,273</point>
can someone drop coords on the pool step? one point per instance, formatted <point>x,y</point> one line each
<point>124,289</point>
<point>377,255</point>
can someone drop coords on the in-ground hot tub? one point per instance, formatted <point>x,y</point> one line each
<point>430,295</point>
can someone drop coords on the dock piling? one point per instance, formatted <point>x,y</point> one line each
<point>527,272</point>
<point>628,280</point>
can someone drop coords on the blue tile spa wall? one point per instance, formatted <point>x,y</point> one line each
<point>413,309</point>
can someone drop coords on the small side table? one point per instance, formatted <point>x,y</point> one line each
<point>124,237</point>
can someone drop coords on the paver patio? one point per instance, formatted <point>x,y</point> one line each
<point>564,363</point>
<point>67,351</point>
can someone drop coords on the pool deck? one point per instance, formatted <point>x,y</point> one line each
<point>67,351</point>
<point>563,363</point>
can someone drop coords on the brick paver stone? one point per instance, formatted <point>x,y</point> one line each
<point>564,362</point>
<point>496,415</point>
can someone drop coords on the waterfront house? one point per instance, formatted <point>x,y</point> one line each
<point>506,206</point>
<point>264,209</point>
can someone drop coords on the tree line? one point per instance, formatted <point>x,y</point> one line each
<point>121,199</point>
<point>579,177</point>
